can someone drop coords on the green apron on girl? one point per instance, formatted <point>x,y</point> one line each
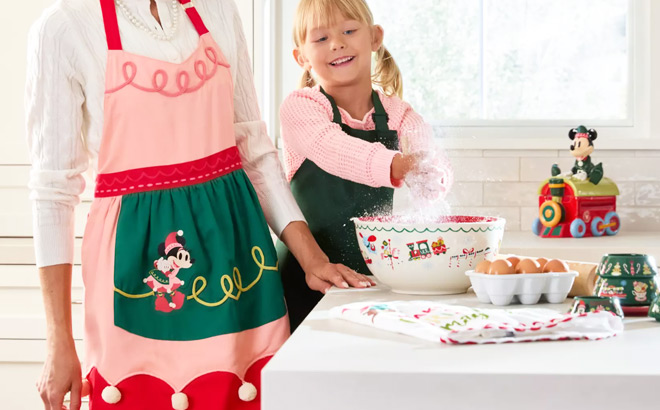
<point>328,203</point>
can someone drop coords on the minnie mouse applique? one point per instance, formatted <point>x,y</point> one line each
<point>163,279</point>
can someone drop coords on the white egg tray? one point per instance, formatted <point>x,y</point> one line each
<point>527,288</point>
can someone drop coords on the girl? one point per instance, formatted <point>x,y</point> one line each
<point>184,303</point>
<point>342,148</point>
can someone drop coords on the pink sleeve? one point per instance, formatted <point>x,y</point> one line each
<point>308,130</point>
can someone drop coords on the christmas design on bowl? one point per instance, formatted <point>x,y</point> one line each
<point>427,258</point>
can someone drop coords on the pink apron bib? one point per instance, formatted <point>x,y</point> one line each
<point>183,299</point>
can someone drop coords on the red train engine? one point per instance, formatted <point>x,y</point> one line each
<point>569,207</point>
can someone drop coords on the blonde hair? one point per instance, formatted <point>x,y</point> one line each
<point>315,13</point>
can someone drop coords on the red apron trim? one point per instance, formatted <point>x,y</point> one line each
<point>168,176</point>
<point>212,391</point>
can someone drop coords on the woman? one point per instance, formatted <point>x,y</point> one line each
<point>184,304</point>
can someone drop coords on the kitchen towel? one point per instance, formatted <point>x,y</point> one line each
<point>465,325</point>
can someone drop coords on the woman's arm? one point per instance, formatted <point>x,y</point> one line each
<point>260,158</point>
<point>54,101</point>
<point>61,372</point>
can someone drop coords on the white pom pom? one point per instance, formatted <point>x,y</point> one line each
<point>180,233</point>
<point>172,305</point>
<point>111,395</point>
<point>247,392</point>
<point>179,401</point>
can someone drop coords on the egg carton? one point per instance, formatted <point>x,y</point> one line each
<point>527,288</point>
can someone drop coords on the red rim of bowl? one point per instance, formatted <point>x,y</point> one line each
<point>460,219</point>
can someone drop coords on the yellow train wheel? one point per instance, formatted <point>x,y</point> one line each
<point>551,213</point>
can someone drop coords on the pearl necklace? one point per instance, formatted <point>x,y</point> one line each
<point>137,23</point>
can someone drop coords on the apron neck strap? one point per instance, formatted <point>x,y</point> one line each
<point>110,22</point>
<point>379,116</point>
<point>112,27</point>
<point>336,116</point>
<point>194,16</point>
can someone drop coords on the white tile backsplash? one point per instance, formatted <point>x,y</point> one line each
<point>485,169</point>
<point>627,194</point>
<point>466,194</point>
<point>456,153</point>
<point>640,219</point>
<point>497,153</point>
<point>647,194</point>
<point>527,216</point>
<point>511,214</point>
<point>538,169</point>
<point>505,183</point>
<point>648,153</point>
<point>633,169</point>
<point>511,193</point>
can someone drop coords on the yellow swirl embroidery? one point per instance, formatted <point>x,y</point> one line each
<point>228,283</point>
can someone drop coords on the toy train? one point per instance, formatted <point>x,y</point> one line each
<point>569,207</point>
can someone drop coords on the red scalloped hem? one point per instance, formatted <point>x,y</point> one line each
<point>212,391</point>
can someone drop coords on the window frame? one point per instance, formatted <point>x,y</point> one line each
<point>276,73</point>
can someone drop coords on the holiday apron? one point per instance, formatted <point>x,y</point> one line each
<point>328,203</point>
<point>183,299</point>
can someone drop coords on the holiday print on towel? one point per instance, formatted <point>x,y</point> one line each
<point>451,324</point>
<point>163,278</point>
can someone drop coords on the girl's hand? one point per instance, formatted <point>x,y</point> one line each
<point>61,374</point>
<point>403,164</point>
<point>323,275</point>
<point>429,182</point>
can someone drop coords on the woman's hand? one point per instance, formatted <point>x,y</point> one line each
<point>320,273</point>
<point>61,374</point>
<point>323,275</point>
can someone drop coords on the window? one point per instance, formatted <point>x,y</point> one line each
<point>502,73</point>
<point>512,59</point>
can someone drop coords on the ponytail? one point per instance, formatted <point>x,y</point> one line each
<point>386,74</point>
<point>307,80</point>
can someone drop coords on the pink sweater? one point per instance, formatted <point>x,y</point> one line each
<point>308,132</point>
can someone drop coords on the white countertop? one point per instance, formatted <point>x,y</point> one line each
<point>335,364</point>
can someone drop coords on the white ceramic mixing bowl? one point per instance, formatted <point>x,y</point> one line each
<point>428,258</point>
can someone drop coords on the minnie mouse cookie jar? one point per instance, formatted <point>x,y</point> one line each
<point>581,202</point>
